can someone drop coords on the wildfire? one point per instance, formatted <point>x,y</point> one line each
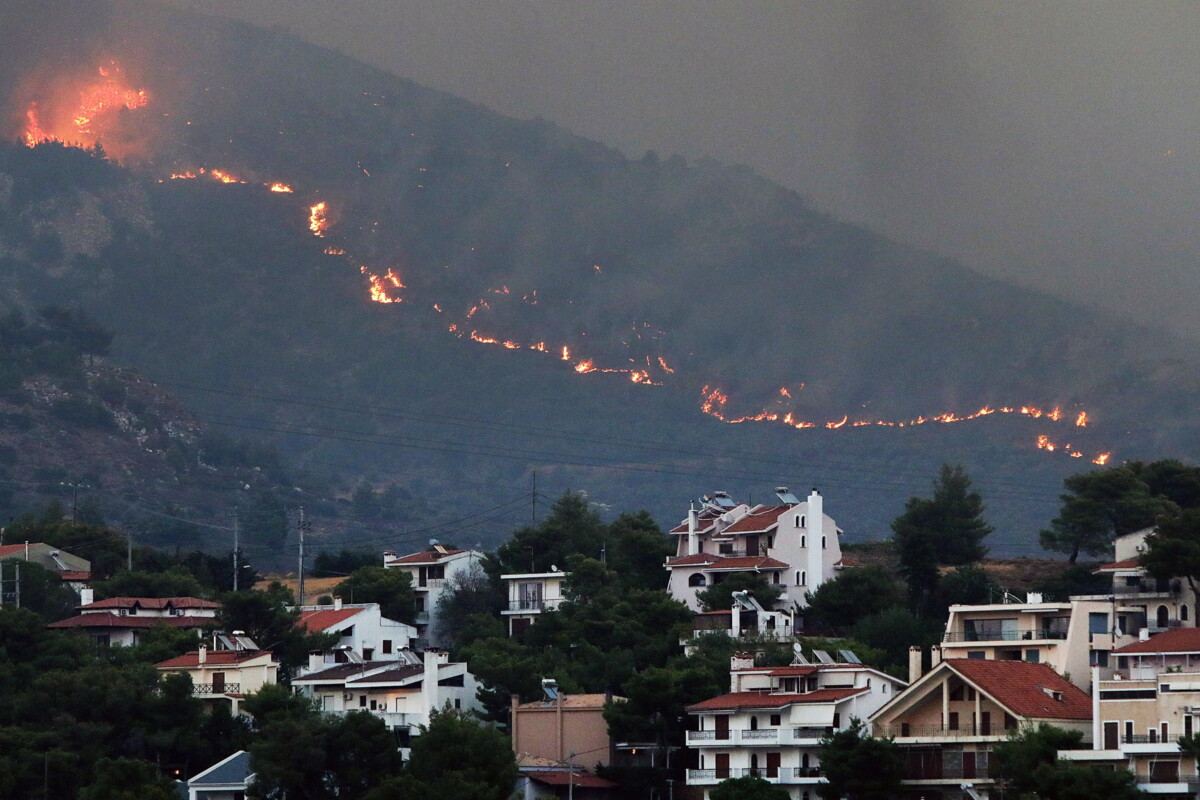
<point>98,104</point>
<point>224,177</point>
<point>378,286</point>
<point>1102,459</point>
<point>318,222</point>
<point>280,187</point>
<point>1082,420</point>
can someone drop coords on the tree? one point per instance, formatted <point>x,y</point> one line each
<point>636,549</point>
<point>1100,505</point>
<point>748,788</point>
<point>467,607</point>
<point>718,597</point>
<point>438,764</point>
<point>175,582</point>
<point>1016,760</point>
<point>952,520</point>
<point>893,631</point>
<point>571,527</point>
<point>858,766</point>
<point>1173,549</point>
<point>266,618</point>
<point>391,588</point>
<point>127,779</point>
<point>855,593</point>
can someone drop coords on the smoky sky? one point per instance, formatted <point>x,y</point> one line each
<point>1056,144</point>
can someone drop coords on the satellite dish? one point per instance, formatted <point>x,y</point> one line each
<point>434,542</point>
<point>554,568</point>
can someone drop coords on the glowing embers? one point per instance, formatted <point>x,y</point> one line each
<point>86,120</point>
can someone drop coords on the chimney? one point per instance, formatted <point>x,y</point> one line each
<point>337,603</point>
<point>693,540</point>
<point>935,656</point>
<point>316,660</point>
<point>1033,597</point>
<point>202,655</point>
<point>388,555</point>
<point>739,661</point>
<point>430,697</point>
<point>1143,634</point>
<point>86,596</point>
<point>914,664</point>
<point>815,530</point>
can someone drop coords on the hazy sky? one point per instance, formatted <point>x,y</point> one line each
<point>1055,143</point>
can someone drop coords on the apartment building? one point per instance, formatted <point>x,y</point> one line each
<point>430,571</point>
<point>364,634</point>
<point>529,594</point>
<point>771,722</point>
<point>224,676</point>
<point>792,542</point>
<point>122,621</point>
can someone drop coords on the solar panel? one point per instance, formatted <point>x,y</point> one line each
<point>849,657</point>
<point>823,657</point>
<point>786,497</point>
<point>798,658</point>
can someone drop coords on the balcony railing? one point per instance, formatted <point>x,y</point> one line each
<point>765,735</point>
<point>217,688</point>
<point>1004,636</point>
<point>811,732</point>
<point>704,736</point>
<point>773,774</point>
<point>532,604</point>
<point>963,731</point>
<point>778,632</point>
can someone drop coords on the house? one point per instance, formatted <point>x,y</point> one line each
<point>771,722</point>
<point>1150,700</point>
<point>1070,637</point>
<point>545,778</point>
<point>362,630</point>
<point>947,721</point>
<point>402,692</point>
<point>121,621</point>
<point>745,618</point>
<point>228,779</point>
<point>224,676</point>
<point>793,543</point>
<point>1155,604</point>
<point>566,729</point>
<point>74,571</point>
<point>431,570</point>
<point>529,594</point>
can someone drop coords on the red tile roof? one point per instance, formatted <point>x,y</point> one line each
<point>704,520</point>
<point>726,562</point>
<point>1129,563</point>
<point>11,549</point>
<point>571,701</point>
<point>324,619</point>
<point>218,658</point>
<point>1176,640</point>
<point>581,778</point>
<point>847,561</point>
<point>152,602</point>
<point>75,575</point>
<point>110,620</point>
<point>425,557</point>
<point>760,518</point>
<point>1022,688</point>
<point>735,700</point>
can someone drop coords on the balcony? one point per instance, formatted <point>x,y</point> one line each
<point>532,605</point>
<point>964,731</point>
<point>705,737</point>
<point>217,689</point>
<point>1004,636</point>
<point>764,736</point>
<point>779,632</point>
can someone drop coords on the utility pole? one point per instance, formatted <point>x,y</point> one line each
<point>129,550</point>
<point>304,524</point>
<point>18,598</point>
<point>533,501</point>
<point>236,560</point>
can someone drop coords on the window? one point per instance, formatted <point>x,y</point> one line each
<point>1097,622</point>
<point>976,655</point>
<point>1183,613</point>
<point>798,583</point>
<point>1098,658</point>
<point>362,701</point>
<point>804,541</point>
<point>457,703</point>
<point>800,524</point>
<point>374,705</point>
<point>775,578</point>
<point>777,720</point>
<point>753,723</point>
<point>953,721</point>
<point>387,645</point>
<point>804,578</point>
<point>697,580</point>
<point>1033,656</point>
<point>1128,731</point>
<point>837,719</point>
<point>823,542</point>
<point>368,653</point>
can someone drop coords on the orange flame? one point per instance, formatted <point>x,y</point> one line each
<point>281,187</point>
<point>1102,459</point>
<point>1082,420</point>
<point>98,105</point>
<point>318,221</point>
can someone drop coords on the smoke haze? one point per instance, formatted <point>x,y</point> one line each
<point>1054,144</point>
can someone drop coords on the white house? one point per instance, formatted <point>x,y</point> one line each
<point>228,779</point>
<point>771,722</point>
<point>364,634</point>
<point>402,693</point>
<point>224,676</point>
<point>121,621</point>
<point>431,570</point>
<point>794,543</point>
<point>529,594</point>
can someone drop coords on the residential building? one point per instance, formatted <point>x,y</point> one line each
<point>746,619</point>
<point>228,779</point>
<point>224,676</point>
<point>771,722</point>
<point>543,778</point>
<point>1070,637</point>
<point>792,542</point>
<point>1151,699</point>
<point>566,729</point>
<point>947,721</point>
<point>402,692</point>
<point>430,571</point>
<point>529,594</point>
<point>74,571</point>
<point>1155,604</point>
<point>121,621</point>
<point>364,634</point>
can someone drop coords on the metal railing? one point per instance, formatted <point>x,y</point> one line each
<point>811,732</point>
<point>703,736</point>
<point>1004,636</point>
<point>965,730</point>
<point>531,604</point>
<point>760,735</point>
<point>217,688</point>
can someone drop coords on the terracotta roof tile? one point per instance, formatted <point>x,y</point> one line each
<point>1129,563</point>
<point>12,549</point>
<point>110,620</point>
<point>152,602</point>
<point>736,700</point>
<point>726,562</point>
<point>1176,640</point>
<point>75,575</point>
<point>211,658</point>
<point>581,778</point>
<point>323,620</point>
<point>847,561</point>
<point>759,519</point>
<point>693,560</point>
<point>425,557</point>
<point>1022,687</point>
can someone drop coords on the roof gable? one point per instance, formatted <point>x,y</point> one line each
<point>1034,691</point>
